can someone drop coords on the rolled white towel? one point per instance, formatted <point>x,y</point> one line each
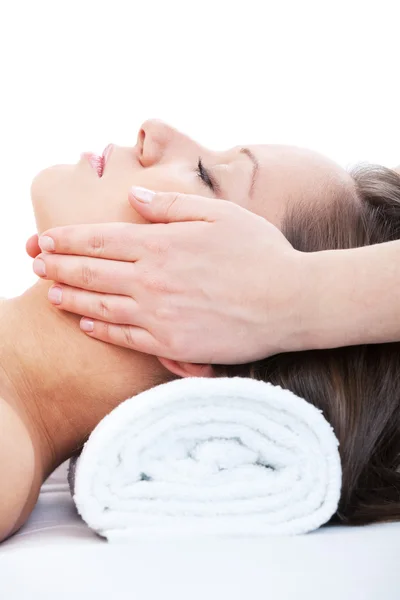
<point>230,456</point>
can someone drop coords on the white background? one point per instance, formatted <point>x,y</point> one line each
<point>77,75</point>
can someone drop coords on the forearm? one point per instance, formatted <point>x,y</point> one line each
<point>353,297</point>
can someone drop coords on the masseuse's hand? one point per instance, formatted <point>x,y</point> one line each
<point>207,281</point>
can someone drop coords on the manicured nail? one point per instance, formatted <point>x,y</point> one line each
<point>55,294</point>
<point>87,325</point>
<point>39,267</point>
<point>142,194</point>
<point>46,243</point>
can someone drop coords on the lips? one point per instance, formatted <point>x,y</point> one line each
<point>99,162</point>
<point>95,161</point>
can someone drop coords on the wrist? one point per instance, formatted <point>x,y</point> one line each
<point>298,327</point>
<point>320,315</point>
<point>329,308</point>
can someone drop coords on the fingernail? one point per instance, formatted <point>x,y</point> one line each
<point>55,295</point>
<point>39,267</point>
<point>46,243</point>
<point>87,325</point>
<point>142,194</point>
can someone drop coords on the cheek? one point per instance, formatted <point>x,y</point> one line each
<point>68,195</point>
<point>168,178</point>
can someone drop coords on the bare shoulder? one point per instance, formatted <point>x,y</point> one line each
<point>17,471</point>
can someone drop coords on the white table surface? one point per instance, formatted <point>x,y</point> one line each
<point>56,556</point>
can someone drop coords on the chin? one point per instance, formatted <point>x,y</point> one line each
<point>46,180</point>
<point>47,189</point>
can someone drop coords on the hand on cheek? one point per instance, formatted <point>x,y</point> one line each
<point>150,288</point>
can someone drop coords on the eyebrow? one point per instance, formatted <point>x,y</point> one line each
<point>256,167</point>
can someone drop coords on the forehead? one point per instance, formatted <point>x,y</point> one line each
<point>288,175</point>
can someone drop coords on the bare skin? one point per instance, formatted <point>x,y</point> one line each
<point>57,384</point>
<point>60,387</point>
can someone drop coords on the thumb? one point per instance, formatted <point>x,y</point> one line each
<point>167,207</point>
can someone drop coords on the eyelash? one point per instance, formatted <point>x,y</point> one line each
<point>205,176</point>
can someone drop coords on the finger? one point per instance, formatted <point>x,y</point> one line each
<point>117,241</point>
<point>166,207</point>
<point>95,274</point>
<point>104,307</point>
<point>32,247</point>
<point>127,336</point>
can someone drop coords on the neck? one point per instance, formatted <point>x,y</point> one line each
<point>61,382</point>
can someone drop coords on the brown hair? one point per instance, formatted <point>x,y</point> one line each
<point>356,387</point>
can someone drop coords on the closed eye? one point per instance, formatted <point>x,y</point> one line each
<point>206,177</point>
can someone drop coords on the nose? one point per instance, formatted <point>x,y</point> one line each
<point>153,139</point>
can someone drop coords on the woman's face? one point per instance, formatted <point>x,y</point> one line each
<point>265,179</point>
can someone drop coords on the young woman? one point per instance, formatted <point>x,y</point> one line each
<point>56,384</point>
